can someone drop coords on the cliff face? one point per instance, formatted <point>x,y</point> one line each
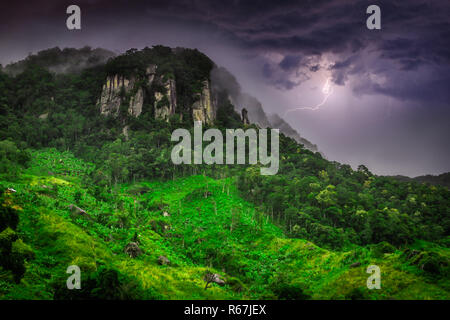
<point>110,99</point>
<point>204,107</point>
<point>118,87</point>
<point>163,81</point>
<point>166,103</point>
<point>136,102</point>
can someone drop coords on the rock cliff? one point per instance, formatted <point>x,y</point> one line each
<point>204,107</point>
<point>166,103</point>
<point>244,116</point>
<point>119,89</point>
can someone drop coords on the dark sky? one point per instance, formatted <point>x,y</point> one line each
<point>389,107</point>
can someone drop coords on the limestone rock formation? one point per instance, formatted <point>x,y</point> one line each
<point>117,87</point>
<point>204,107</point>
<point>166,103</point>
<point>111,99</point>
<point>150,73</point>
<point>245,116</point>
<point>136,103</point>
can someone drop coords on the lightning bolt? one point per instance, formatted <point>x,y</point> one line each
<point>327,90</point>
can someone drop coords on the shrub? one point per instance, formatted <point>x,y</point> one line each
<point>383,247</point>
<point>235,284</point>
<point>286,291</point>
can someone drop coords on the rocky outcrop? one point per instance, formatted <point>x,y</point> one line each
<point>133,250</point>
<point>166,103</point>
<point>163,261</point>
<point>111,99</point>
<point>136,103</point>
<point>77,211</point>
<point>150,72</point>
<point>254,108</point>
<point>356,264</point>
<point>213,278</point>
<point>125,131</point>
<point>204,107</point>
<point>244,113</point>
<point>117,87</point>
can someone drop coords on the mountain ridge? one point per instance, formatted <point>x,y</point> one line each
<point>69,60</point>
<point>442,179</point>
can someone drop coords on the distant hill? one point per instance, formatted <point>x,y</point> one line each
<point>442,179</point>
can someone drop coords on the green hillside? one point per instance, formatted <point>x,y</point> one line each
<point>209,228</point>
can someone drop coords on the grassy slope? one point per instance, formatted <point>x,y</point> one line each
<point>209,228</point>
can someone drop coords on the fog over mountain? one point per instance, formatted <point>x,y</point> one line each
<point>223,79</point>
<point>68,60</point>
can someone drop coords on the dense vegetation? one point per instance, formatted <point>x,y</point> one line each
<point>81,191</point>
<point>334,206</point>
